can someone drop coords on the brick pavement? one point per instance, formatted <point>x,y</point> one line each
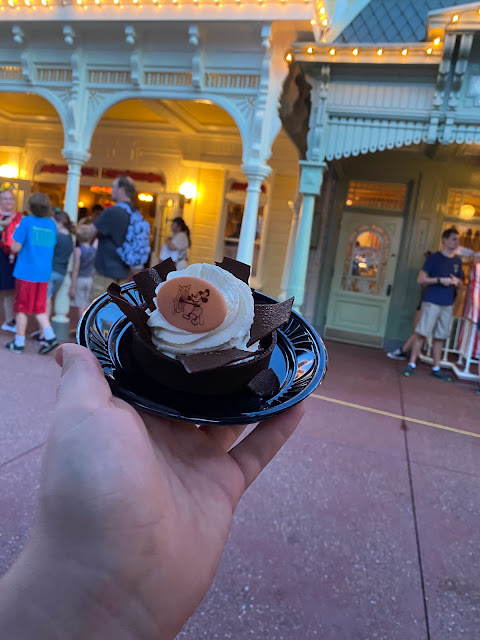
<point>357,530</point>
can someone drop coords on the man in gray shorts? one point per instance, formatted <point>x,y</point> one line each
<point>441,275</point>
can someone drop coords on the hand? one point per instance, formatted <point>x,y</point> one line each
<point>5,221</point>
<point>71,293</point>
<point>447,281</point>
<point>455,281</point>
<point>134,511</point>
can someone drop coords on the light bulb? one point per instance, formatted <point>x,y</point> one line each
<point>455,18</point>
<point>355,52</point>
<point>379,52</point>
<point>436,42</point>
<point>332,52</point>
<point>429,50</point>
<point>310,50</point>
<point>404,52</point>
<point>288,57</point>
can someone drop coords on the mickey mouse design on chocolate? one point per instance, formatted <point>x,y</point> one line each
<point>190,304</point>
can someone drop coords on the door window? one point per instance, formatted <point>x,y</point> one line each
<point>365,260</point>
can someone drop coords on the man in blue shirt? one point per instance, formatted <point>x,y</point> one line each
<point>441,275</point>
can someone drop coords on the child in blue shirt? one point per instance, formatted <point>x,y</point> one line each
<point>33,242</point>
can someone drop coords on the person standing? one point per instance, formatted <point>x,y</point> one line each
<point>61,255</point>
<point>9,221</point>
<point>33,242</point>
<point>111,226</point>
<point>82,273</point>
<point>441,275</point>
<point>177,245</point>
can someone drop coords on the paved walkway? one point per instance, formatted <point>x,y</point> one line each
<point>366,525</point>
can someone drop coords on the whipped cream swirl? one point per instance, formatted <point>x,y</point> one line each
<point>234,330</point>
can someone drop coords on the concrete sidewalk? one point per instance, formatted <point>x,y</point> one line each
<point>365,526</point>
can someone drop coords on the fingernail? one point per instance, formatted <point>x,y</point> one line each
<point>58,355</point>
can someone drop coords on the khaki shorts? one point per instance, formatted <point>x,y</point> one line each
<point>82,292</point>
<point>100,284</point>
<point>434,321</point>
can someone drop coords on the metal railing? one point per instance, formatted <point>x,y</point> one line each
<point>458,352</point>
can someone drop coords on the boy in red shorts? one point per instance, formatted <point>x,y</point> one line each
<point>34,241</point>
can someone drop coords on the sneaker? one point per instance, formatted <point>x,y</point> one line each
<point>398,354</point>
<point>48,345</point>
<point>409,371</point>
<point>441,375</point>
<point>11,346</point>
<point>10,326</point>
<point>37,336</point>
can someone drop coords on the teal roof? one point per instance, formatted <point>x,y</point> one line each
<point>393,21</point>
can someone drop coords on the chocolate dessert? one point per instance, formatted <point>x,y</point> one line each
<point>198,330</point>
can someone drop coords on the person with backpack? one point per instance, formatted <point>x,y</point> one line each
<point>123,239</point>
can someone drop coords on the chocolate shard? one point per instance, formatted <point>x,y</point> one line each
<point>164,268</point>
<point>239,269</point>
<point>200,362</point>
<point>147,281</point>
<point>265,384</point>
<point>137,316</point>
<point>269,317</point>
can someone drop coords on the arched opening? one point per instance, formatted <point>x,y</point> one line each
<point>31,132</point>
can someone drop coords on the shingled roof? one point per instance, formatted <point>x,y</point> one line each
<point>393,21</point>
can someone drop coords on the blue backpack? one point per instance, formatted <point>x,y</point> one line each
<point>136,246</point>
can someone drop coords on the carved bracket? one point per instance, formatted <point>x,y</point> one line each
<point>68,35</point>
<point>444,71</point>
<point>27,66</point>
<point>18,34</point>
<point>198,68</point>
<point>136,68</point>
<point>318,116</point>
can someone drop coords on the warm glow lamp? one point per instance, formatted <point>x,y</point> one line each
<point>467,211</point>
<point>6,171</point>
<point>188,191</point>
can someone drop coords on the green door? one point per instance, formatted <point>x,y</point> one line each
<point>365,265</point>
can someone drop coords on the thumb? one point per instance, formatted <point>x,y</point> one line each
<point>83,387</point>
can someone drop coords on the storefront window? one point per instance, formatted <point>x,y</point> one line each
<point>464,204</point>
<point>365,260</point>
<point>376,195</point>
<point>367,255</point>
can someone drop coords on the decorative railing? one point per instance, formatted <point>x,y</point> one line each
<point>232,80</point>
<point>458,353</point>
<point>9,72</point>
<point>55,75</point>
<point>168,79</point>
<point>109,76</point>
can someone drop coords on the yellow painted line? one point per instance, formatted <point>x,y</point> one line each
<point>396,415</point>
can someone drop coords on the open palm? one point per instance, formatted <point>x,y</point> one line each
<point>144,501</point>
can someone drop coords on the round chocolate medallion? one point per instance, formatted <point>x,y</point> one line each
<point>192,304</point>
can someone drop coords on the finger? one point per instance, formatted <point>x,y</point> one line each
<point>83,387</point>
<point>254,452</point>
<point>225,437</point>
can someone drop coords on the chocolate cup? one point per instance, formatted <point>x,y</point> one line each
<point>224,380</point>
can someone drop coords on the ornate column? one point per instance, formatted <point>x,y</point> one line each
<point>310,182</point>
<point>75,159</point>
<point>311,176</point>
<point>256,174</point>
<point>295,207</point>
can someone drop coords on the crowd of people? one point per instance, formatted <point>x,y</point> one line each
<point>39,247</point>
